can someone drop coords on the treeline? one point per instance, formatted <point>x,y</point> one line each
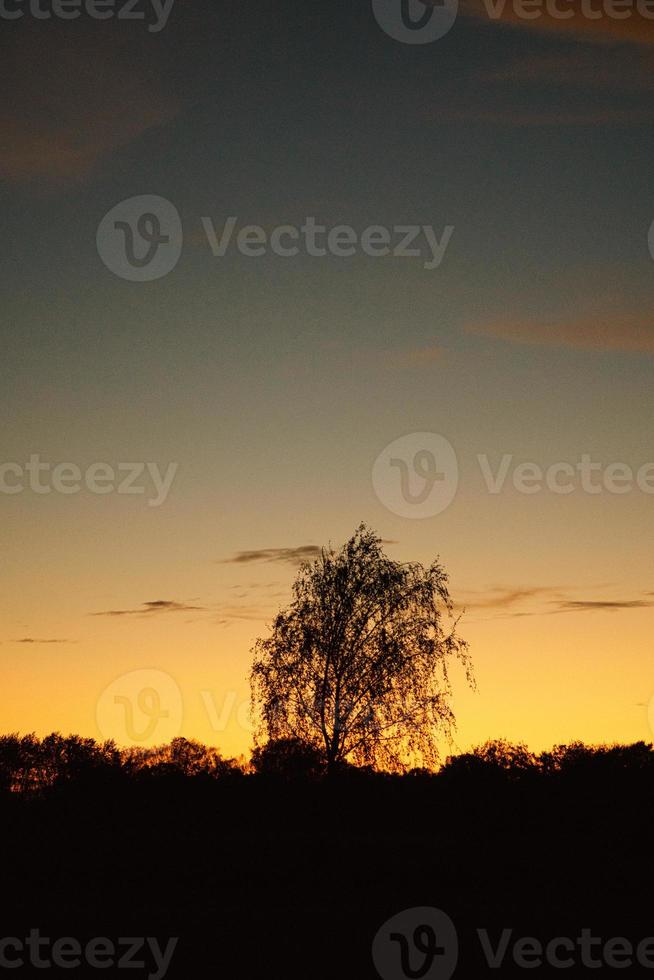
<point>266,867</point>
<point>33,766</point>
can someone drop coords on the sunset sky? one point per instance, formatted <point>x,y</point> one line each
<point>275,383</point>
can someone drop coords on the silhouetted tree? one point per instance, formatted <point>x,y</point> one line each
<point>19,756</point>
<point>495,758</point>
<point>289,758</point>
<point>357,665</point>
<point>30,765</point>
<point>71,758</point>
<point>182,757</point>
<point>578,759</point>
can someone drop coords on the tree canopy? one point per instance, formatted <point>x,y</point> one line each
<point>357,665</point>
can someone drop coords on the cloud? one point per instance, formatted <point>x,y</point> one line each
<point>584,85</point>
<point>153,608</point>
<point>502,597</point>
<point>577,67</point>
<point>30,639</point>
<point>88,97</point>
<point>634,29</point>
<point>593,605</point>
<point>291,556</point>
<point>251,614</point>
<point>620,332</point>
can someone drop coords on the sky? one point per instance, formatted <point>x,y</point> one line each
<point>253,399</point>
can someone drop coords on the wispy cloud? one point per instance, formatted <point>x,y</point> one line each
<point>153,608</point>
<point>620,332</point>
<point>577,67</point>
<point>31,639</point>
<point>502,597</point>
<point>602,605</point>
<point>548,600</point>
<point>245,613</point>
<point>509,93</point>
<point>290,556</point>
<point>50,126</point>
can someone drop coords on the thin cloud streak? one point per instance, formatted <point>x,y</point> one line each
<point>577,68</point>
<point>30,639</point>
<point>593,605</point>
<point>504,599</point>
<point>500,597</point>
<point>626,332</point>
<point>290,556</point>
<point>154,608</point>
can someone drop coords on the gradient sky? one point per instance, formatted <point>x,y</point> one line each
<point>275,383</point>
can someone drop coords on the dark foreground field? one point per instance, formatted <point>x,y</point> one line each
<point>261,876</point>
